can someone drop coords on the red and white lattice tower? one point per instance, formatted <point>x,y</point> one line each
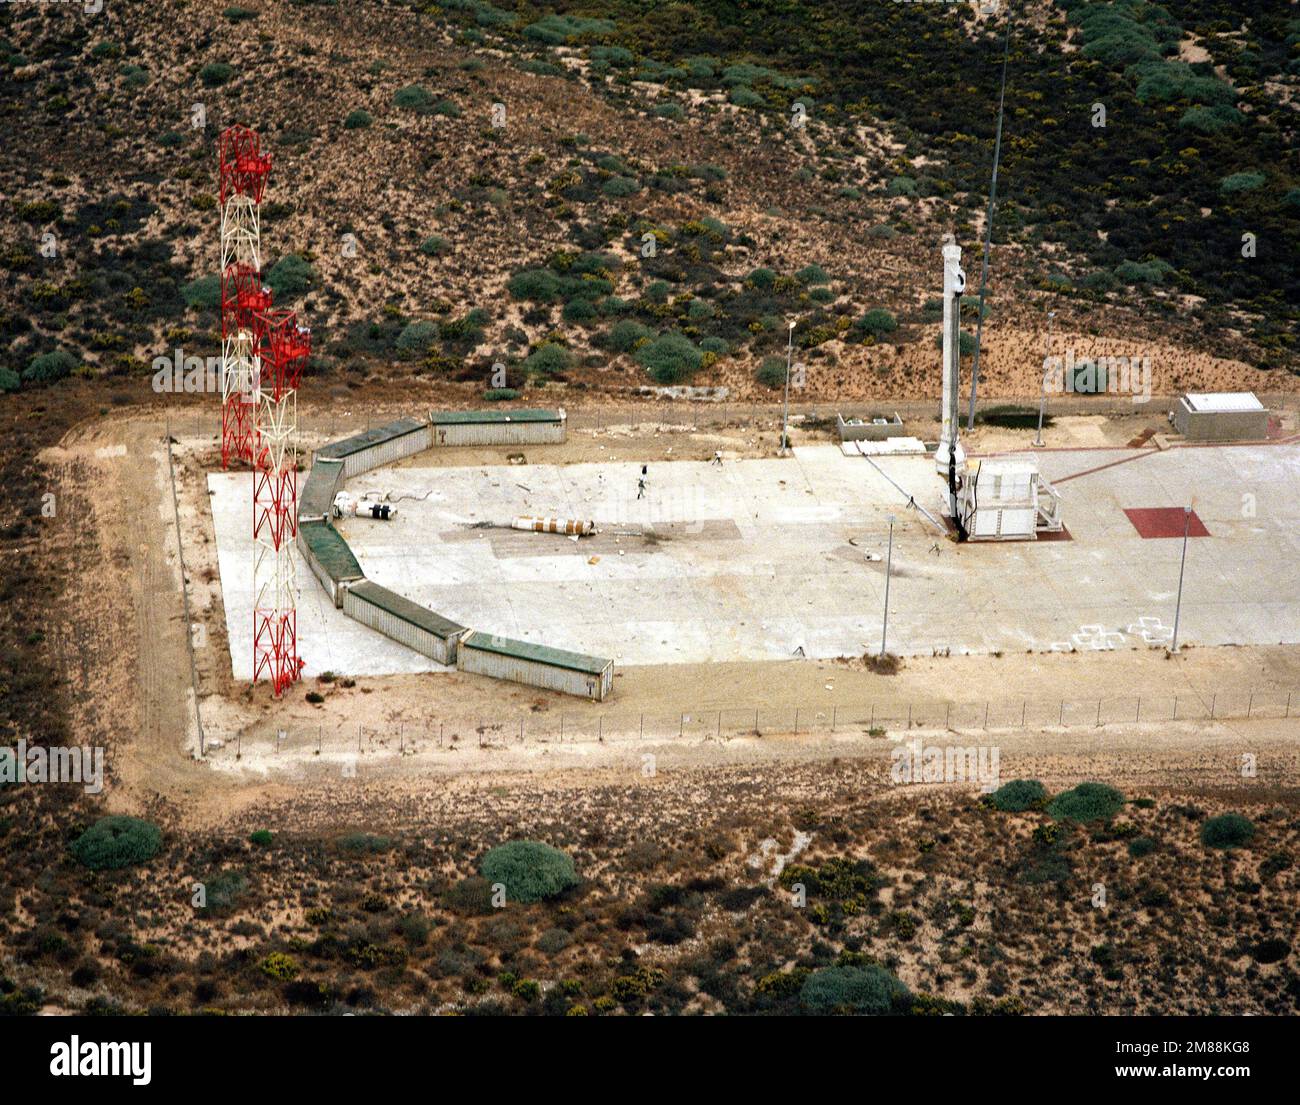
<point>280,352</point>
<point>243,170</point>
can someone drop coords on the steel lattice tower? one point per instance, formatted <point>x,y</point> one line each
<point>243,171</point>
<point>280,353</point>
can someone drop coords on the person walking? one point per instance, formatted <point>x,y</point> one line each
<point>717,458</point>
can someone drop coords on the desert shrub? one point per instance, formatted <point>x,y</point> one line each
<point>716,346</point>
<point>239,15</point>
<point>1018,795</point>
<point>9,380</point>
<point>261,837</point>
<point>554,30</point>
<point>1101,280</point>
<point>811,275</point>
<point>771,372</point>
<point>469,896</point>
<point>46,368</point>
<point>498,395</point>
<point>877,322</point>
<point>115,842</point>
<point>1167,81</point>
<point>416,339</point>
<point>1210,120</point>
<point>290,277</point>
<point>364,843</point>
<point>1143,272</point>
<point>618,56</point>
<point>965,343</point>
<point>554,941</point>
<point>1241,182</point>
<point>530,870</point>
<point>449,108</point>
<point>203,293</point>
<point>358,119</point>
<point>1228,830</point>
<point>216,73</point>
<point>413,98</point>
<point>1141,846</point>
<point>222,890</point>
<point>762,278</point>
<point>670,111</point>
<point>547,359</point>
<point>434,245</point>
<point>744,96</point>
<point>578,310</point>
<point>279,966</point>
<point>619,186</point>
<point>1270,950</point>
<point>871,990</point>
<point>624,335</point>
<point>1086,802</point>
<point>670,358</point>
<point>538,285</point>
<point>901,186</point>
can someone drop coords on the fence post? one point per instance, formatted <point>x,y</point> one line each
<point>873,716</point>
<point>909,715</point>
<point>1099,713</point>
<point>1214,698</point>
<point>1288,703</point>
<point>521,730</point>
<point>834,712</point>
<point>600,728</point>
<point>986,714</point>
<point>796,721</point>
<point>1250,706</point>
<point>561,726</point>
<point>719,725</point>
<point>1175,718</point>
<point>1024,710</point>
<point>681,725</point>
<point>440,728</point>
<point>1138,713</point>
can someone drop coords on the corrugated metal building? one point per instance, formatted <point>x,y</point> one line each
<point>536,665</point>
<point>329,557</point>
<point>511,427</point>
<point>318,491</point>
<point>377,447</point>
<point>404,621</point>
<point>1221,416</point>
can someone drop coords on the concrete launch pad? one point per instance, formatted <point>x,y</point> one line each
<point>772,559</point>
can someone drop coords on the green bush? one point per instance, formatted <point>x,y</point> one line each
<point>624,335</point>
<point>416,339</point>
<point>877,322</point>
<point>279,966</point>
<point>761,278</point>
<point>261,837</point>
<point>901,186</point>
<point>364,843</point>
<point>290,277</point>
<point>1143,272</point>
<point>744,96</point>
<point>538,285</point>
<point>356,120</point>
<point>499,395</point>
<point>670,358</point>
<point>203,293</point>
<point>554,30</point>
<point>1210,120</point>
<point>872,990</point>
<point>1086,802</point>
<point>1141,846</point>
<point>46,368</point>
<point>1229,830</point>
<point>434,245</point>
<point>548,359</point>
<point>115,842</point>
<point>216,73</point>
<point>1241,182</point>
<point>1018,795</point>
<point>9,380</point>
<point>771,372</point>
<point>413,98</point>
<point>670,111</point>
<point>619,186</point>
<point>529,870</point>
<point>811,275</point>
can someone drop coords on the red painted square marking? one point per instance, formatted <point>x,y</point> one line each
<point>1165,521</point>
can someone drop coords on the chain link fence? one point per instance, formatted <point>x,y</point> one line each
<point>878,718</point>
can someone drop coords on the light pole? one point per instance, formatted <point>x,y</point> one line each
<point>785,413</point>
<point>1182,564</point>
<point>889,563</point>
<point>1042,398</point>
